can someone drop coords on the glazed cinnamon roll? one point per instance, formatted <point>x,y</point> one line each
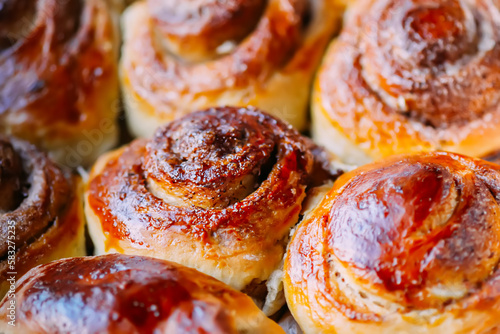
<point>405,245</point>
<point>58,76</point>
<point>41,216</point>
<point>182,56</point>
<point>411,76</point>
<point>216,190</point>
<point>129,294</point>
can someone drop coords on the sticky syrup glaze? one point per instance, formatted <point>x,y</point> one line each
<point>412,75</point>
<point>418,232</point>
<point>193,154</point>
<point>181,56</point>
<point>52,57</point>
<point>125,294</point>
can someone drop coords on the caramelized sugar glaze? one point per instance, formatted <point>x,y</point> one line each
<point>413,75</point>
<point>39,210</point>
<point>181,56</point>
<point>130,294</point>
<point>217,190</point>
<point>58,70</point>
<point>405,244</point>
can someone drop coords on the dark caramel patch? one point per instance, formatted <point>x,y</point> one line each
<point>118,293</point>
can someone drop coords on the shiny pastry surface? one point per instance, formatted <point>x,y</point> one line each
<point>413,75</point>
<point>181,56</point>
<point>217,190</point>
<point>408,244</point>
<point>40,210</point>
<point>58,74</point>
<point>130,294</point>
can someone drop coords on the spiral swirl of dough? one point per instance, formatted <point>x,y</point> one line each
<point>40,210</point>
<point>59,75</point>
<point>180,56</point>
<point>412,75</point>
<point>408,244</point>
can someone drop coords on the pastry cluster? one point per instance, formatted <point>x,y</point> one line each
<point>157,174</point>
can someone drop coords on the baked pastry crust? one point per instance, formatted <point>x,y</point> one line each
<point>129,294</point>
<point>180,56</point>
<point>59,76</point>
<point>411,76</point>
<point>217,190</point>
<point>41,212</point>
<point>408,244</point>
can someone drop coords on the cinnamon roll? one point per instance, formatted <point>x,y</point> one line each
<point>182,56</point>
<point>217,190</point>
<point>129,294</point>
<point>410,244</point>
<point>58,76</point>
<point>41,215</point>
<point>411,75</point>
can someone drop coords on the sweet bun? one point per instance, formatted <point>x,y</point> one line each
<point>182,56</point>
<point>129,294</point>
<point>59,76</point>
<point>41,214</point>
<point>411,76</point>
<point>217,190</point>
<point>410,244</point>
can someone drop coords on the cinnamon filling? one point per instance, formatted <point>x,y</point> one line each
<point>33,193</point>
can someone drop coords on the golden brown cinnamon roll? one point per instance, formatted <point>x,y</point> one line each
<point>405,245</point>
<point>410,76</point>
<point>58,76</point>
<point>41,216</point>
<point>182,56</point>
<point>217,190</point>
<point>129,294</point>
